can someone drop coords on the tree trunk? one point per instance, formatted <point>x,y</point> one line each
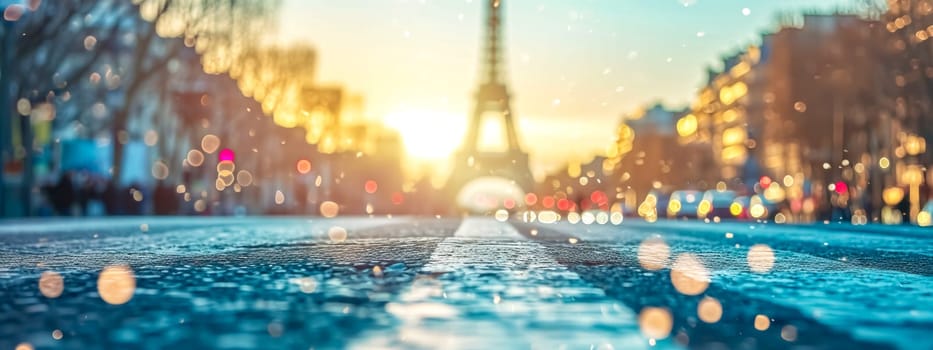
<point>119,125</point>
<point>121,118</point>
<point>25,194</point>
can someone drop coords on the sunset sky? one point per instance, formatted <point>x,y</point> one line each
<point>574,67</point>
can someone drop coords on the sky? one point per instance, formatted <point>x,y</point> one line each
<point>574,67</point>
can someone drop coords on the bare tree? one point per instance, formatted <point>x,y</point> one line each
<point>276,76</point>
<point>54,47</point>
<point>46,48</point>
<point>220,30</point>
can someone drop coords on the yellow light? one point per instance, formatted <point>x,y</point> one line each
<point>645,210</point>
<point>625,132</point>
<point>427,135</point>
<point>788,180</point>
<point>739,89</point>
<point>735,209</point>
<point>740,69</point>
<point>733,136</point>
<point>704,208</point>
<point>884,162</point>
<point>651,199</point>
<point>892,195</point>
<point>638,113</point>
<point>725,95</point>
<point>757,211</point>
<point>730,116</point>
<point>687,125</point>
<point>924,219</point>
<point>915,145</point>
<point>734,154</point>
<point>574,169</point>
<point>913,175</point>
<point>674,206</point>
<point>774,193</point>
<point>730,94</point>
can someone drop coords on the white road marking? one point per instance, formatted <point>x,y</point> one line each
<point>496,289</point>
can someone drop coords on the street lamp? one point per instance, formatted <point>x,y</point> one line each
<point>892,195</point>
<point>890,214</point>
<point>915,145</point>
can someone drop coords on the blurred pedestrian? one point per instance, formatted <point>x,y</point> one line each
<point>63,195</point>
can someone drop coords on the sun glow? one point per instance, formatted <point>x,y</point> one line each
<point>427,135</point>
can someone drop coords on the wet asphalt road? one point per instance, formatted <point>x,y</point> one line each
<point>369,283</point>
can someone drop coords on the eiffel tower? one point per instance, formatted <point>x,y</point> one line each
<point>493,97</point>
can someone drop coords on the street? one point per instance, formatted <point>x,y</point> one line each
<point>403,282</point>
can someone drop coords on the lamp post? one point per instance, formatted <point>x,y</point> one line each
<point>914,146</point>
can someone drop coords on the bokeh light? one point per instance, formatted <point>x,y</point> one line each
<point>116,284</point>
<point>762,322</point>
<point>655,322</point>
<point>502,215</point>
<point>789,333</point>
<point>653,253</point>
<point>244,178</point>
<point>709,310</point>
<point>195,158</point>
<point>306,285</point>
<point>337,234</point>
<point>760,258</point>
<point>688,275</point>
<point>371,186</point>
<point>303,166</point>
<point>13,12</point>
<point>329,209</point>
<point>51,284</point>
<point>225,167</point>
<point>210,143</point>
<point>159,170</point>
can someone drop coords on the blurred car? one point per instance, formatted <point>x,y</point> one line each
<point>684,204</point>
<point>716,203</point>
<point>755,207</point>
